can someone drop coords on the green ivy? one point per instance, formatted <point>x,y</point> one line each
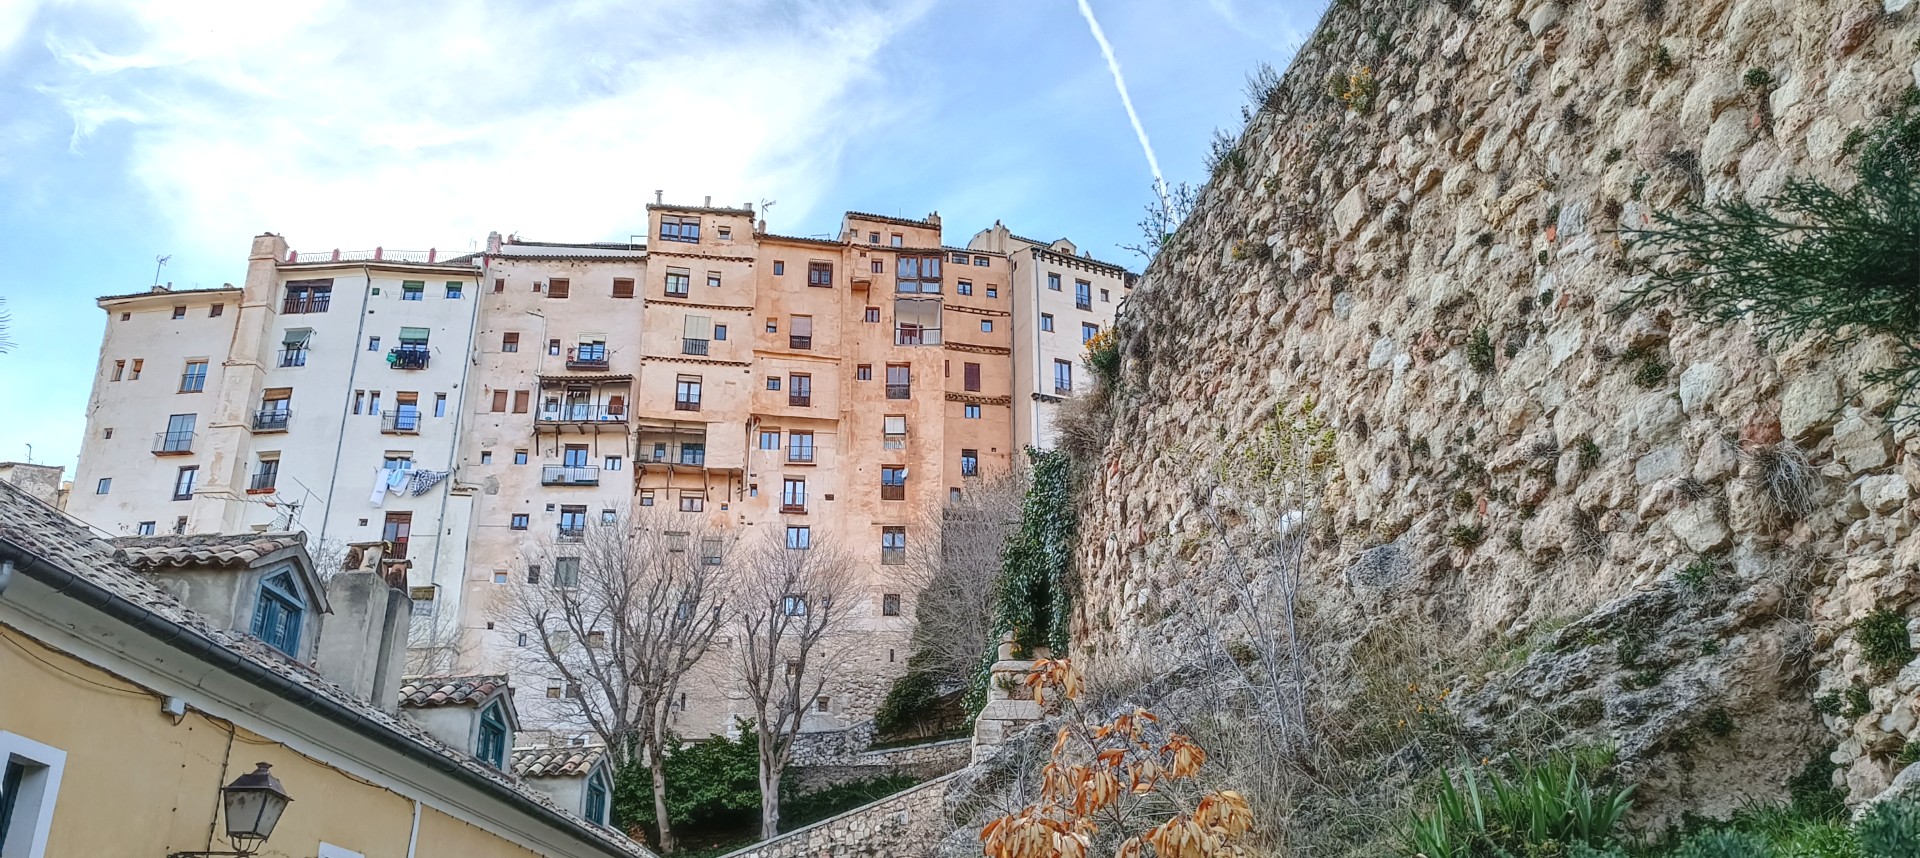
<point>1035,598</point>
<point>710,783</point>
<point>913,699</point>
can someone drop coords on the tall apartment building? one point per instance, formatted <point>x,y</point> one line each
<point>747,381</point>
<point>1062,299</point>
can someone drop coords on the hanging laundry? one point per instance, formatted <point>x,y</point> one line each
<point>379,487</point>
<point>422,479</point>
<point>397,479</point>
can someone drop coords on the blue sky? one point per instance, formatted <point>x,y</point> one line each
<point>136,128</point>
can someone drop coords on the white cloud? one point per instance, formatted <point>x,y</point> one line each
<point>409,125</point>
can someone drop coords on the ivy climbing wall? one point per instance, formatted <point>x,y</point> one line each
<point>1421,234</point>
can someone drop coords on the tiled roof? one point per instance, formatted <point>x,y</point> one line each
<point>239,549</point>
<point>885,219</point>
<point>69,545</point>
<point>428,691</point>
<point>556,762</point>
<point>178,293</point>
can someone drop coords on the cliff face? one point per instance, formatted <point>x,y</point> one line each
<point>1420,236</point>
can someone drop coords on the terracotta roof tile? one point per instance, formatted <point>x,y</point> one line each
<point>428,691</point>
<point>238,549</point>
<point>573,762</point>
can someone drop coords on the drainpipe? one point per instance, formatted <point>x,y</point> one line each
<point>453,446</point>
<point>413,836</point>
<point>353,368</point>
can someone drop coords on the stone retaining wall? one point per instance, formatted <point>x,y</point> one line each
<point>908,823</point>
<point>923,762</point>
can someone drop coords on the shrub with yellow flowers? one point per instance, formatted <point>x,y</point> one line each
<point>1103,353</point>
<point>1104,776</point>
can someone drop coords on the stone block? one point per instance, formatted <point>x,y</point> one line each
<point>1809,405</point>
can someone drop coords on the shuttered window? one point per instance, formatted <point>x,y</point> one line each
<point>971,373</point>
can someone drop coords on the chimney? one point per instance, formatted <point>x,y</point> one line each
<point>493,241</point>
<point>709,202</point>
<point>760,226</point>
<point>362,645</point>
<point>659,198</point>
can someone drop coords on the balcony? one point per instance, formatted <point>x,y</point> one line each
<point>405,422</point>
<point>408,357</point>
<point>1083,305</point>
<point>899,391</point>
<point>1062,389</point>
<point>271,420</point>
<point>800,341</point>
<point>584,412</point>
<point>916,335</point>
<point>693,347</point>
<point>893,556</point>
<point>173,444</point>
<point>800,400</point>
<point>262,483</point>
<point>571,533</point>
<point>291,357</point>
<point>793,509</point>
<point>893,491</point>
<point>314,303</point>
<point>569,475</point>
<point>587,358</point>
<point>800,455</point>
<point>686,405</point>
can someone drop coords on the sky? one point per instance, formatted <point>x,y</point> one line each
<point>135,129</point>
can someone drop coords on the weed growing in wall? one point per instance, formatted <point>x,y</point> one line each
<point>1883,639</point>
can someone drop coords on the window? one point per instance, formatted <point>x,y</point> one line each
<point>180,312</point>
<point>454,290</point>
<point>800,447</point>
<point>499,402</point>
<point>693,501</point>
<point>622,287</point>
<point>194,379</point>
<point>107,433</point>
<point>986,326</point>
<point>793,495</point>
<point>982,261</point>
<point>969,463</point>
<point>29,788</point>
<point>893,546</point>
<point>823,703</point>
<point>726,232</point>
<point>119,369</point>
<point>1053,282</point>
<point>215,311</point>
<point>608,516</point>
<point>800,390</point>
<point>873,238</point>
<point>965,287</point>
<point>679,229</point>
<point>520,399</point>
<point>799,537</point>
<point>893,482</point>
<point>486,457</point>
<point>646,498</point>
<point>970,376</point>
<point>1062,376</point>
<point>1103,297</point>
<point>373,402</point>
<point>800,332</point>
<point>499,284</point>
<point>713,279</point>
<point>395,531</point>
<point>183,482</point>
<point>863,372</point>
<point>533,573</point>
<point>179,435</point>
<point>373,344</point>
<point>972,411</point>
<point>720,332</point>
<point>773,382</point>
<point>180,526</point>
<point>769,439</point>
<point>773,326</point>
<point>413,290</point>
<point>896,432</point>
<point>510,341</point>
<point>914,273</point>
<point>566,572</point>
<point>819,274</point>
<point>613,463</point>
<point>125,316</point>
<point>599,792</point>
<point>518,521</point>
<point>678,280</point>
<point>794,606</point>
<point>890,605</point>
<point>899,381</point>
<point>135,374</point>
<point>993,291</point>
<point>877,267</point>
<point>267,477</point>
<point>779,268</point>
<point>573,525</point>
<point>959,259</point>
<point>145,528</point>
<point>491,747</point>
<point>1088,331</point>
<point>553,347</point>
<point>686,393</point>
<point>500,577</point>
<point>873,315</point>
<point>1046,321</point>
<point>899,239</point>
<point>277,612</point>
<point>307,296</point>
<point>1082,295</point>
<point>693,453</point>
<point>439,405</point>
<point>105,485</point>
<point>710,551</point>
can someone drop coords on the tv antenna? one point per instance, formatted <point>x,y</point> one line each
<point>159,261</point>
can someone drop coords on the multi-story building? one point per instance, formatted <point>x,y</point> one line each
<point>750,382</point>
<point>1062,298</point>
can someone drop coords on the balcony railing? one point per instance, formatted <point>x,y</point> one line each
<point>262,482</point>
<point>800,400</point>
<point>571,533</point>
<point>400,422</point>
<point>315,303</point>
<point>408,357</point>
<point>569,475</point>
<point>893,442</point>
<point>893,491</point>
<point>271,420</point>
<point>693,347</point>
<point>686,405</point>
<point>1062,389</point>
<point>173,443</point>
<point>800,455</point>
<point>800,341</point>
<point>899,391</point>
<point>292,357</point>
<point>915,335</point>
<point>793,509</point>
<point>581,412</point>
<point>893,556</point>
<point>587,358</point>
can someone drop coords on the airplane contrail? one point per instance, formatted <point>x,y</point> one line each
<point>1120,83</point>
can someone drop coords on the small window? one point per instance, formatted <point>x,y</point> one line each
<point>145,528</point>
<point>613,463</point>
<point>970,375</point>
<point>873,315</point>
<point>492,745</point>
<point>1053,282</point>
<point>519,457</point>
<point>799,537</point>
<point>1046,321</point>
<point>693,501</point>
<point>773,382</point>
<point>793,606</point>
<point>608,516</point>
<point>899,240</point>
<point>993,291</point>
<point>412,290</point>
<point>726,234</point>
<point>194,378</point>
<point>769,440</point>
<point>972,411</point>
<point>622,287</point>
<point>779,268</point>
<point>559,287</point>
<point>510,341</point>
<point>890,605</point>
<point>646,497</point>
<point>215,311</point>
<point>553,348</point>
<point>533,573</point>
<point>566,570</point>
<point>823,703</point>
<point>877,267</point>
<point>969,463</point>
<point>518,521</point>
<point>965,287</point>
<point>678,280</point>
<point>455,290</point>
<point>893,546</point>
<point>499,402</point>
<point>1088,332</point>
<point>119,369</point>
<point>713,279</point>
<point>819,274</point>
<point>773,326</point>
<point>986,326</point>
<point>863,372</point>
<point>107,434</point>
<point>499,576</point>
<point>125,316</point>
<point>277,612</point>
<point>982,261</point>
<point>439,405</point>
<point>719,332</point>
<point>873,238</point>
<point>1103,297</point>
<point>180,312</point>
<point>520,400</point>
<point>373,344</point>
<point>486,457</point>
<point>499,284</point>
<point>105,485</point>
<point>183,482</point>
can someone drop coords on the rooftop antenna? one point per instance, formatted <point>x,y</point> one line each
<point>29,454</point>
<point>159,261</point>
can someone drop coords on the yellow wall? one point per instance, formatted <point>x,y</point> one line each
<point>136,784</point>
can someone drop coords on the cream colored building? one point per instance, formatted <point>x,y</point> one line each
<point>746,380</point>
<point>1062,298</point>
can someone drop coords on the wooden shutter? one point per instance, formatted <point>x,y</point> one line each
<point>622,287</point>
<point>801,326</point>
<point>520,402</point>
<point>557,287</point>
<point>972,376</point>
<point>699,327</point>
<point>616,404</point>
<point>499,400</point>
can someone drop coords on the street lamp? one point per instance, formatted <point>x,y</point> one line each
<point>253,802</point>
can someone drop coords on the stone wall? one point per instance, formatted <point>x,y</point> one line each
<point>1437,266</point>
<point>909,822</point>
<point>923,762</point>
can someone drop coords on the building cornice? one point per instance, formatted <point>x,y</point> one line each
<point>716,258</point>
<point>977,399</point>
<point>692,360</point>
<point>985,350</point>
<point>142,297</point>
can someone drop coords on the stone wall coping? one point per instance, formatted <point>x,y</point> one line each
<point>865,808</point>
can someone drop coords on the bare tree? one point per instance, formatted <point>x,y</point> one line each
<point>954,576</point>
<point>788,610</point>
<point>623,611</point>
<point>1170,207</point>
<point>436,645</point>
